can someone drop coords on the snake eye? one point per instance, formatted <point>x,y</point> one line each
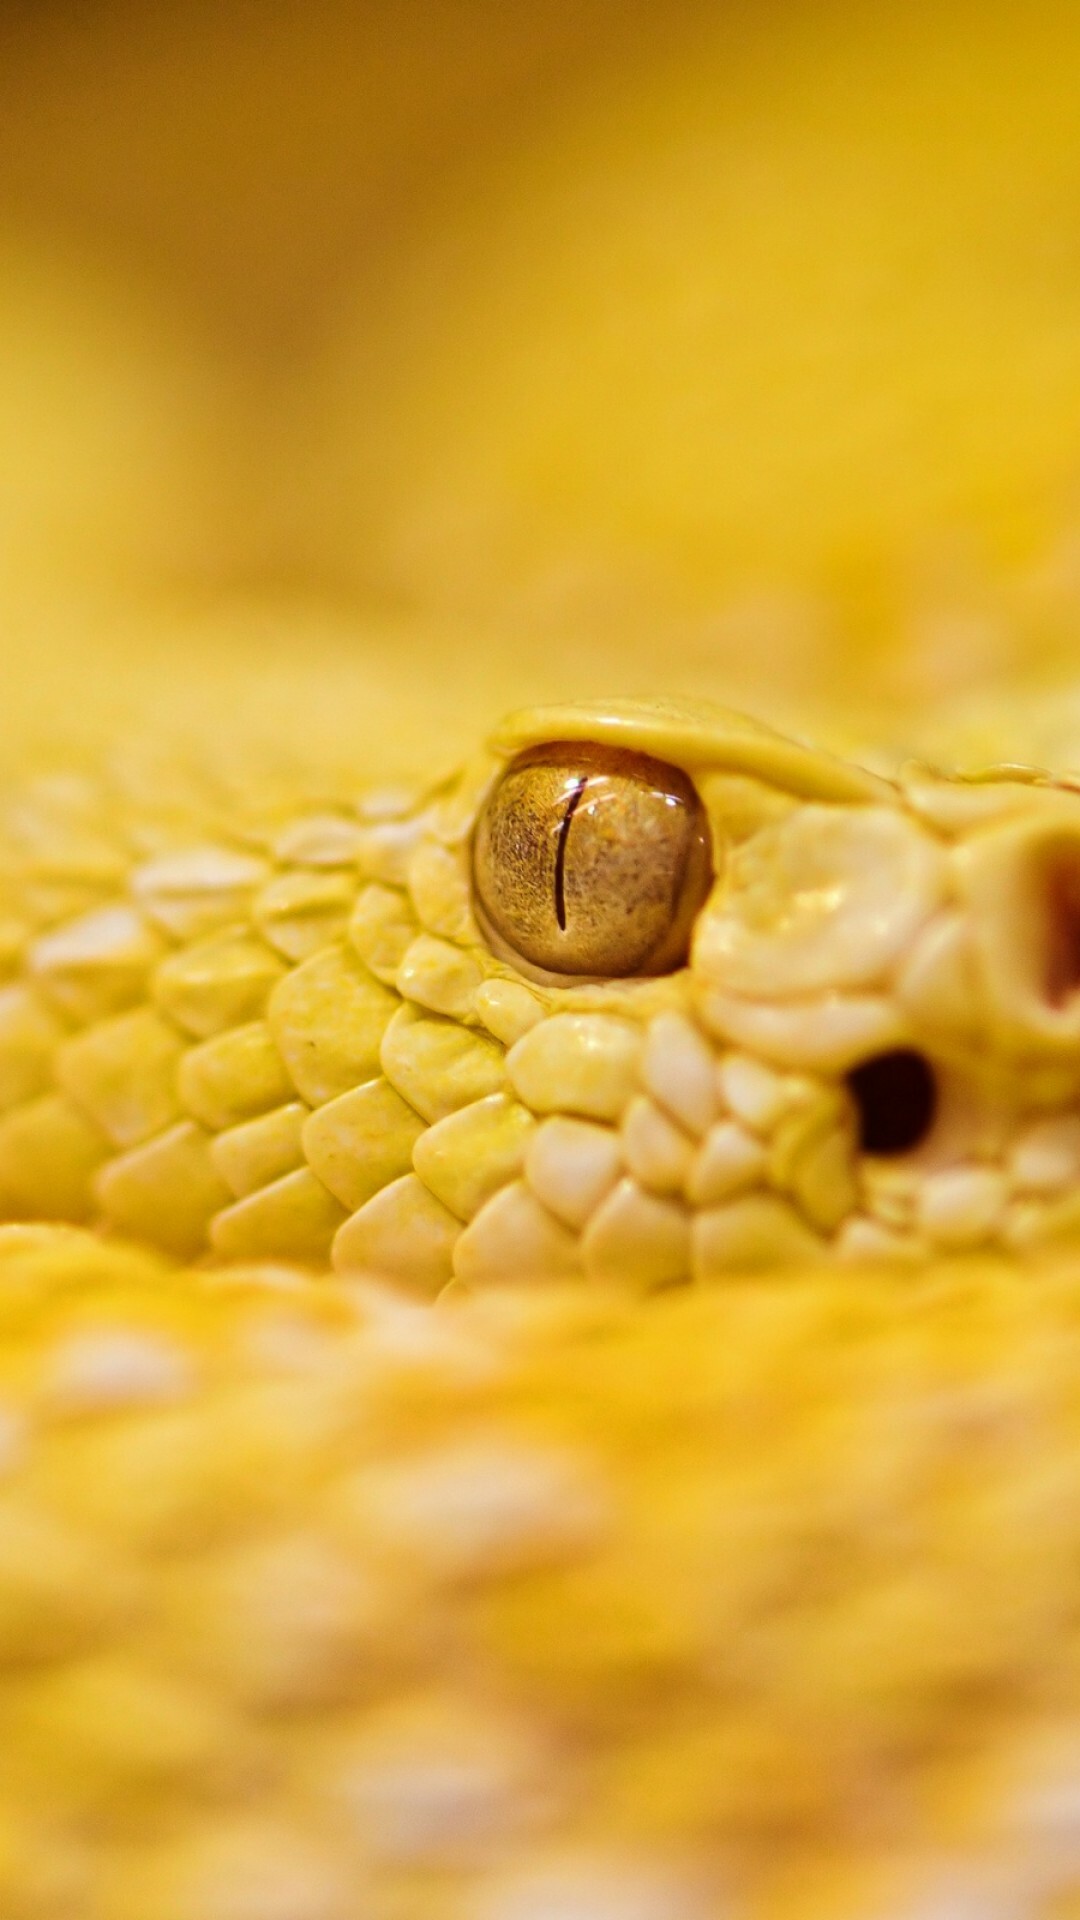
<point>592,861</point>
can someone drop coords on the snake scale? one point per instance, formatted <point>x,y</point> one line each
<point>540,1372</point>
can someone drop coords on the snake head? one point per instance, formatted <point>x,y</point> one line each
<point>784,1007</point>
<point>644,993</point>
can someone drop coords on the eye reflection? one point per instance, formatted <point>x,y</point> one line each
<point>592,862</point>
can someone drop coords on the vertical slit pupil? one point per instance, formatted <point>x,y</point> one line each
<point>895,1096</point>
<point>560,853</point>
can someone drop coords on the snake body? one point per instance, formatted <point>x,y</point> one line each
<point>369,1545</point>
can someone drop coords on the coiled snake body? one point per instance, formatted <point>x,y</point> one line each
<point>369,1544</point>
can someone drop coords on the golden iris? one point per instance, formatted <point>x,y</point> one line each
<point>591,861</point>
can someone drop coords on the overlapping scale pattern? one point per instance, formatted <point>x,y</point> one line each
<point>275,1033</point>
<point>190,1039</point>
<point>252,1019</point>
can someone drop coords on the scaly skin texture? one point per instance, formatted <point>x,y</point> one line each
<point>406,1590</point>
<point>255,1027</point>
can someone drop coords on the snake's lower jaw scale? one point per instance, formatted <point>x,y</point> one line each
<point>404,1233</point>
<point>516,1236</point>
<point>294,1218</point>
<point>166,1192</point>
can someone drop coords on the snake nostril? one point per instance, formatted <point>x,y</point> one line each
<point>895,1097</point>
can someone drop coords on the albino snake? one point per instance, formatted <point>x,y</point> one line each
<point>369,1544</point>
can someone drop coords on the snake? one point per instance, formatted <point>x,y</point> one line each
<point>539,1355</point>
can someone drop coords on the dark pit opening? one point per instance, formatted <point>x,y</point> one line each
<point>1061,906</point>
<point>895,1097</point>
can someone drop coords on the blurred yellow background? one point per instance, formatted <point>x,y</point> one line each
<point>399,361</point>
